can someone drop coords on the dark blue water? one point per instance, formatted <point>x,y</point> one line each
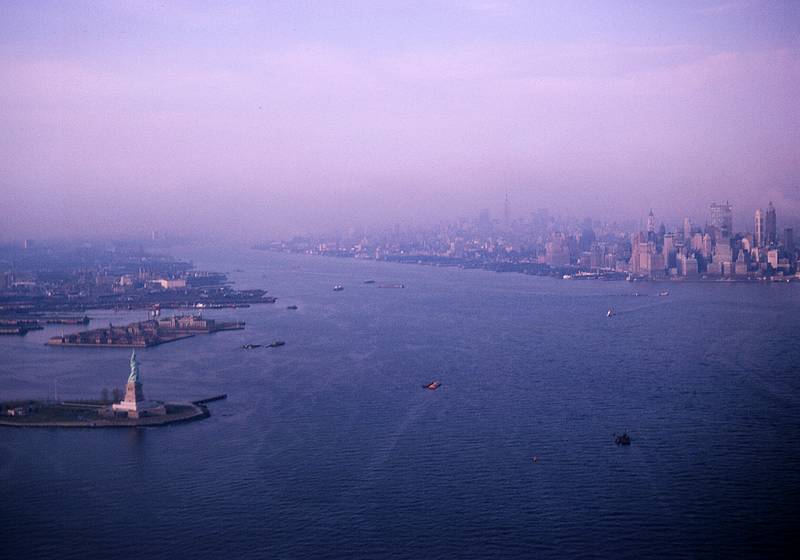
<point>329,448</point>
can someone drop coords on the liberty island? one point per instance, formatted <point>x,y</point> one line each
<point>132,411</point>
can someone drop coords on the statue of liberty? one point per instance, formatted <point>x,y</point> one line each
<point>134,404</point>
<point>134,376</point>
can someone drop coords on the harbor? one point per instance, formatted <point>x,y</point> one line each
<point>343,403</point>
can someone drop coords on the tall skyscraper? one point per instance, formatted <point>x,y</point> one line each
<point>507,213</point>
<point>651,227</point>
<point>484,222</point>
<point>759,233</point>
<point>697,242</point>
<point>707,245</point>
<point>771,226</point>
<point>669,250</point>
<point>722,218</point>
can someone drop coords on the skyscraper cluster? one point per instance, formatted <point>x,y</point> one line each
<point>716,250</point>
<point>549,245</point>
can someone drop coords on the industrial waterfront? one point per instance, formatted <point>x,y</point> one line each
<point>330,447</point>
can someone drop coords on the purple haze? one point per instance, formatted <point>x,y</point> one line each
<point>258,119</point>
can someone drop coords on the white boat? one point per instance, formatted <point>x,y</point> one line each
<point>610,313</point>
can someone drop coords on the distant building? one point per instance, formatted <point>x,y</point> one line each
<point>172,283</point>
<point>723,256</point>
<point>598,252</point>
<point>669,242</point>
<point>722,218</point>
<point>771,227</point>
<point>187,323</point>
<point>707,245</point>
<point>17,411</point>
<point>669,250</point>
<point>557,251</point>
<point>759,232</point>
<point>788,241</point>
<point>740,267</point>
<point>687,266</point>
<point>644,258</point>
<point>697,242</point>
<point>484,222</point>
<point>772,258</point>
<point>507,213</point>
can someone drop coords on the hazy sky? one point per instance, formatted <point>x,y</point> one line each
<point>262,118</point>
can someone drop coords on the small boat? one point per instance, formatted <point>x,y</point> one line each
<point>369,281</point>
<point>665,293</point>
<point>610,313</point>
<point>433,385</point>
<point>292,307</point>
<point>338,288</point>
<point>275,344</point>
<point>623,439</point>
<point>250,346</point>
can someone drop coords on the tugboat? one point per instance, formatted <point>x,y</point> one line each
<point>623,439</point>
<point>292,307</point>
<point>250,346</point>
<point>610,313</point>
<point>276,344</point>
<point>433,385</point>
<point>338,288</point>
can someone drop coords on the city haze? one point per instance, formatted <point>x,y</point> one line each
<point>252,121</point>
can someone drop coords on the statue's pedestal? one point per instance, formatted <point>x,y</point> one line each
<point>140,409</point>
<point>135,406</point>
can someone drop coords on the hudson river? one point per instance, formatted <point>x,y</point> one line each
<point>329,447</point>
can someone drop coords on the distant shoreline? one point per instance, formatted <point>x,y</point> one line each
<point>538,269</point>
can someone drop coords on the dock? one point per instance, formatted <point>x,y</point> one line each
<point>201,402</point>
